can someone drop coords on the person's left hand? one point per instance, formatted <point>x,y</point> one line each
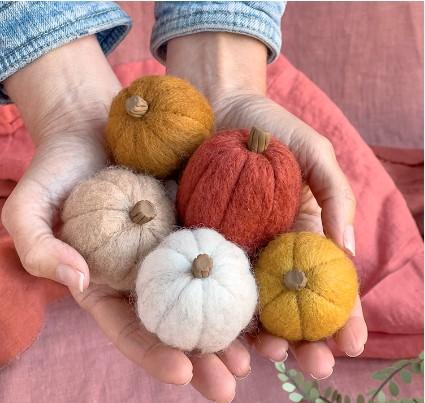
<point>231,71</point>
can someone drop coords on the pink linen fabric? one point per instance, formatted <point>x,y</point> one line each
<point>69,366</point>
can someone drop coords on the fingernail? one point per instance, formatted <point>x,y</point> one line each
<point>187,383</point>
<point>284,358</point>
<point>70,277</point>
<point>349,241</point>
<point>324,377</point>
<point>355,354</point>
<point>239,378</point>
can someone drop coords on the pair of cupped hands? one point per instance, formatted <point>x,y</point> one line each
<point>64,98</point>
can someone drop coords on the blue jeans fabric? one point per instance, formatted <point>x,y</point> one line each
<point>259,19</point>
<point>30,29</point>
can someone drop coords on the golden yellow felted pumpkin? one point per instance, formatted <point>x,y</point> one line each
<point>156,124</point>
<point>307,287</point>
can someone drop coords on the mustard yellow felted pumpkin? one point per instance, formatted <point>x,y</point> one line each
<point>307,287</point>
<point>156,124</point>
<point>114,219</point>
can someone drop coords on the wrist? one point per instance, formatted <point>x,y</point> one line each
<point>67,90</point>
<point>219,63</point>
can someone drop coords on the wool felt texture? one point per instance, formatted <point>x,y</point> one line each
<point>189,310</point>
<point>164,130</point>
<point>327,286</point>
<point>102,221</point>
<point>248,197</point>
<point>389,248</point>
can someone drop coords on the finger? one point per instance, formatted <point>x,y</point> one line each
<point>271,347</point>
<point>237,359</point>
<point>353,336</point>
<point>330,187</point>
<point>314,358</point>
<point>212,379</point>
<point>117,319</point>
<point>28,218</point>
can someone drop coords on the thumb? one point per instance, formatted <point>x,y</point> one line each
<point>27,216</point>
<point>335,196</point>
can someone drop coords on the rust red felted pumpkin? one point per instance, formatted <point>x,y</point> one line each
<point>245,184</point>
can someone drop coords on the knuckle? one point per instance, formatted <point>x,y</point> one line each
<point>326,145</point>
<point>31,262</point>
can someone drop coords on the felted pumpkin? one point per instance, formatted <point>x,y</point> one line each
<point>156,124</point>
<point>246,185</point>
<point>114,219</point>
<point>195,291</point>
<point>307,286</point>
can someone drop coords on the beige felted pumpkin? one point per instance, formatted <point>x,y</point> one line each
<point>114,219</point>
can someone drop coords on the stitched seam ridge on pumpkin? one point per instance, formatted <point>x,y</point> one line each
<point>294,242</point>
<point>121,190</point>
<point>274,190</point>
<point>300,319</point>
<point>94,211</point>
<point>327,262</point>
<point>155,278</point>
<point>233,193</point>
<point>324,298</point>
<point>201,330</point>
<point>168,311</point>
<point>224,288</point>
<point>113,235</point>
<point>164,142</point>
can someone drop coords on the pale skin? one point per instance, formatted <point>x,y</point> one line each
<point>64,98</point>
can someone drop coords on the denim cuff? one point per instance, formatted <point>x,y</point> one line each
<point>258,19</point>
<point>28,30</point>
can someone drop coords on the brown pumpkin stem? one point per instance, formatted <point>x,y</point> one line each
<point>202,266</point>
<point>136,106</point>
<point>258,140</point>
<point>142,212</point>
<point>295,280</point>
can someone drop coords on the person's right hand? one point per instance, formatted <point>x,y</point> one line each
<point>64,98</point>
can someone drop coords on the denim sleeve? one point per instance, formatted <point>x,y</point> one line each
<point>30,29</point>
<point>259,19</point>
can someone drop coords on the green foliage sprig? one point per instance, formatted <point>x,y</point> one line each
<point>299,389</point>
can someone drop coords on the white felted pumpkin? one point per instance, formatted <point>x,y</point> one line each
<point>195,291</point>
<point>114,219</point>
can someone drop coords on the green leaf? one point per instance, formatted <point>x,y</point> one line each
<point>288,387</point>
<point>393,401</point>
<point>299,378</point>
<point>319,400</point>
<point>394,390</point>
<point>382,374</point>
<point>421,355</point>
<point>295,397</point>
<point>334,395</point>
<point>280,366</point>
<point>422,367</point>
<point>347,399</point>
<point>406,376</point>
<point>328,392</point>
<point>415,367</point>
<point>307,386</point>
<point>360,399</point>
<point>293,372</point>
<point>339,398</point>
<point>313,394</point>
<point>282,377</point>
<point>381,397</point>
